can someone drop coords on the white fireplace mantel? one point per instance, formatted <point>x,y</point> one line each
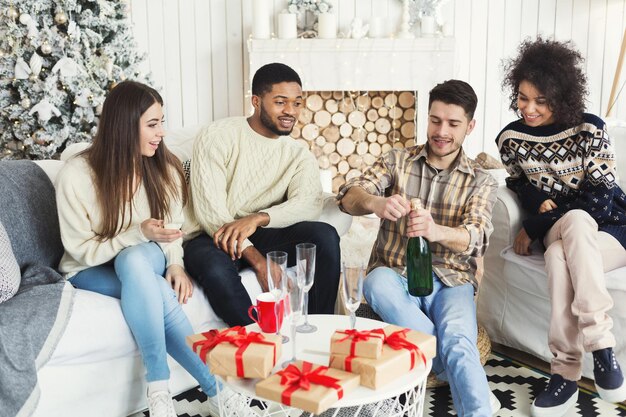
<point>362,64</point>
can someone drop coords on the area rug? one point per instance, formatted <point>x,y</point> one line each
<point>513,383</point>
<point>516,385</point>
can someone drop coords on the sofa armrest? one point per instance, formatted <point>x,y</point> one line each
<point>507,219</point>
<point>507,215</point>
<point>332,215</point>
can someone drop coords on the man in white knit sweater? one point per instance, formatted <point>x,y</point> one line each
<point>256,190</point>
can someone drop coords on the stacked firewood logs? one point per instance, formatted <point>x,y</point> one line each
<point>348,131</point>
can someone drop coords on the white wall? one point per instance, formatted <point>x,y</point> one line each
<point>198,56</point>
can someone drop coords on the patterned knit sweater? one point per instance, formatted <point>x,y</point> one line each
<point>236,172</point>
<point>574,167</point>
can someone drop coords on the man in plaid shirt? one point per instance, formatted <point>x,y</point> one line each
<point>458,197</point>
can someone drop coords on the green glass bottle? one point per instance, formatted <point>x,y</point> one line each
<point>419,268</point>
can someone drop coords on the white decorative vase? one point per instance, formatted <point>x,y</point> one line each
<point>306,20</point>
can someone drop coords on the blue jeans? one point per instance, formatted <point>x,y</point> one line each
<point>151,309</point>
<point>449,313</point>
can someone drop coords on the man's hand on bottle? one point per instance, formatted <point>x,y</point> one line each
<point>391,208</point>
<point>421,223</point>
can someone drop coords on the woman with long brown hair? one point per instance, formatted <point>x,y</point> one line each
<point>120,207</point>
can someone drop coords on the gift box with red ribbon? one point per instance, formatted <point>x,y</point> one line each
<point>309,387</point>
<point>237,352</point>
<point>403,350</point>
<point>361,343</point>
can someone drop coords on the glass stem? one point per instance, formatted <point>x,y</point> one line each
<point>293,339</point>
<point>276,310</point>
<point>306,307</point>
<point>352,319</point>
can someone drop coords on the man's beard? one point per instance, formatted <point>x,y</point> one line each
<point>270,125</point>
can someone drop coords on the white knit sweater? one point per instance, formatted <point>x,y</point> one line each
<point>236,172</point>
<point>80,218</point>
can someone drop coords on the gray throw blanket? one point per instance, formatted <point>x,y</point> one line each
<point>32,322</point>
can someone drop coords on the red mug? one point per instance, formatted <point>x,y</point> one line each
<point>266,316</point>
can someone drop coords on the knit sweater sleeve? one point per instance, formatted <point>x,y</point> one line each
<point>595,194</point>
<point>76,196</point>
<point>304,195</point>
<point>209,184</point>
<point>530,196</point>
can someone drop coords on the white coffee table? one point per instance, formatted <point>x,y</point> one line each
<point>404,396</point>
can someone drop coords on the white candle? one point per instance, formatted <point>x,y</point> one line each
<point>377,27</point>
<point>261,22</point>
<point>326,26</point>
<point>428,25</point>
<point>287,26</point>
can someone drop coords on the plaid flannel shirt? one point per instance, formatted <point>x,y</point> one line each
<point>461,196</point>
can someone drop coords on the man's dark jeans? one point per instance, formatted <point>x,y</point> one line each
<point>218,274</point>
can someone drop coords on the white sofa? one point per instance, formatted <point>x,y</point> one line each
<point>95,369</point>
<point>513,302</point>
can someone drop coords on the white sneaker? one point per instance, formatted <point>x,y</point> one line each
<point>494,403</point>
<point>160,404</point>
<point>234,404</point>
<point>213,406</point>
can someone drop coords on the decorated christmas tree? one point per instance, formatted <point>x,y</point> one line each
<point>58,60</point>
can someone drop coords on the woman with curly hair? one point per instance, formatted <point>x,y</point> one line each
<point>562,166</point>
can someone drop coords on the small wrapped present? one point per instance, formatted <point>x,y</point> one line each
<point>403,350</point>
<point>237,352</point>
<point>309,387</point>
<point>361,343</point>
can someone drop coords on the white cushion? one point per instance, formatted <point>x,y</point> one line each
<point>10,275</point>
<point>536,262</point>
<point>180,141</point>
<point>51,167</point>
<point>97,330</point>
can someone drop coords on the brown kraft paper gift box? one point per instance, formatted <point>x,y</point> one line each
<point>392,363</point>
<point>361,343</point>
<point>236,352</point>
<point>288,386</point>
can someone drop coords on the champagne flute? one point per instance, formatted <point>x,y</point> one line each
<point>294,298</point>
<point>352,289</point>
<point>276,282</point>
<point>305,261</point>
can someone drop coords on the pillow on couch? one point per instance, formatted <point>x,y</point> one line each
<point>9,269</point>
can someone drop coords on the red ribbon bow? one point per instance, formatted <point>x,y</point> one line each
<point>215,337</point>
<point>360,336</point>
<point>295,379</point>
<point>237,336</point>
<point>397,340</point>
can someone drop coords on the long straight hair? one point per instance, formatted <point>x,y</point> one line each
<point>119,167</point>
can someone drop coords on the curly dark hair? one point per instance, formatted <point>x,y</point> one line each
<point>554,68</point>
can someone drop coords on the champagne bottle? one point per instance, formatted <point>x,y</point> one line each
<point>419,269</point>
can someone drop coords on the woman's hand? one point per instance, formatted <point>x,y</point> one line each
<point>180,282</point>
<point>521,246</point>
<point>547,205</point>
<point>153,230</point>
